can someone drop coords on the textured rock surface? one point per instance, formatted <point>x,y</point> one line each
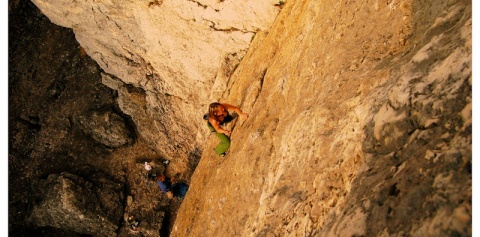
<point>169,57</point>
<point>360,113</point>
<point>53,83</point>
<point>106,127</point>
<point>72,203</point>
<point>360,125</point>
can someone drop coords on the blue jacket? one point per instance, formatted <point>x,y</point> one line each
<point>165,186</point>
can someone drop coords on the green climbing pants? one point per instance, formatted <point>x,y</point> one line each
<point>224,141</point>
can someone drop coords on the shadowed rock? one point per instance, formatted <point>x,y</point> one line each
<point>107,128</point>
<point>72,203</point>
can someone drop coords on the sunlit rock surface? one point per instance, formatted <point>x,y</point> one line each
<point>360,125</point>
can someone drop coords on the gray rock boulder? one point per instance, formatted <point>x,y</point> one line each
<point>72,203</point>
<point>107,128</point>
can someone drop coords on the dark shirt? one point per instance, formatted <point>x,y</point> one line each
<point>227,119</point>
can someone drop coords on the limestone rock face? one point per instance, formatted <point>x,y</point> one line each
<point>360,125</point>
<point>72,203</point>
<point>171,58</point>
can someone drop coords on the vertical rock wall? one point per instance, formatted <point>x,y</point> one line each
<point>167,59</point>
<point>360,125</point>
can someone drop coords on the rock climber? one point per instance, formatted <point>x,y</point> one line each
<point>218,115</point>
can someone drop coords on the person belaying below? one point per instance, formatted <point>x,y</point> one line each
<point>218,115</point>
<point>171,188</point>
